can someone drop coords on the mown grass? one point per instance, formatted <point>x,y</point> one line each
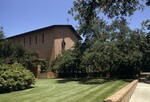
<point>60,90</point>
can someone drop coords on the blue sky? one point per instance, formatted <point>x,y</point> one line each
<point>19,16</point>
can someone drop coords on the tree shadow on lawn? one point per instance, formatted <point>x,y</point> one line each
<point>5,91</point>
<point>89,81</point>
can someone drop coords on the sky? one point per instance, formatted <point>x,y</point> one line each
<point>19,16</point>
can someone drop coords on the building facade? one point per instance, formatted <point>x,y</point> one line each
<point>48,42</point>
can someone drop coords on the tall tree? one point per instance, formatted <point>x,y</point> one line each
<point>120,49</point>
<point>87,11</point>
<point>1,33</point>
<point>146,46</point>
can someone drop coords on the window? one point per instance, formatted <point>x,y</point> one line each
<point>14,41</point>
<point>63,44</point>
<point>36,39</point>
<point>42,38</point>
<point>24,41</point>
<point>29,40</point>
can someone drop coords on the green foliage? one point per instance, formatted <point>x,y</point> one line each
<point>15,53</point>
<point>63,61</point>
<point>146,46</point>
<point>10,53</point>
<point>15,77</point>
<point>33,64</point>
<point>86,12</point>
<point>1,33</point>
<point>146,24</point>
<point>91,8</point>
<point>115,49</point>
<point>148,2</point>
<point>120,48</point>
<point>68,59</point>
<point>95,56</point>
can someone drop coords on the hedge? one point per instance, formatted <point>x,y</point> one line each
<point>15,77</point>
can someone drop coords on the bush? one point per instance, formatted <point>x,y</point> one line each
<point>15,77</point>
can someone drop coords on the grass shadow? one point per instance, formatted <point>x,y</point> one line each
<point>65,80</point>
<point>5,91</point>
<point>128,80</point>
<point>92,81</point>
<point>89,81</point>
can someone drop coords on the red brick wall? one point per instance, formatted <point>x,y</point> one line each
<point>52,41</point>
<point>49,74</point>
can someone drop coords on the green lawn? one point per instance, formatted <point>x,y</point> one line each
<point>57,90</point>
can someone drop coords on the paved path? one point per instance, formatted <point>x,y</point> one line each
<point>141,93</point>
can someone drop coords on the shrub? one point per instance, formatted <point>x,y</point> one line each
<point>15,77</point>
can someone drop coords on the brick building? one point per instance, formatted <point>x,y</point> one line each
<point>48,42</point>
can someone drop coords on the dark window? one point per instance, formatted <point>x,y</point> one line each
<point>63,44</point>
<point>24,41</point>
<point>42,38</point>
<point>36,39</point>
<point>14,41</point>
<point>29,40</point>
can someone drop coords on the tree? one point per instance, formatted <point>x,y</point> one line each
<point>14,53</point>
<point>146,46</point>
<point>128,44</point>
<point>89,9</point>
<point>110,46</point>
<point>67,63</point>
<point>148,2</point>
<point>86,12</point>
<point>146,25</point>
<point>119,51</point>
<point>1,33</point>
<point>5,46</point>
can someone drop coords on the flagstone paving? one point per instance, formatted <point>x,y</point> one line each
<point>141,93</point>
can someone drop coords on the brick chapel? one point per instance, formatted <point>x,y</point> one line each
<point>48,42</point>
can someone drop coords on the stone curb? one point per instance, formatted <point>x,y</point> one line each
<point>124,94</point>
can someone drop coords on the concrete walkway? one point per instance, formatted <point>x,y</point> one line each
<point>141,93</point>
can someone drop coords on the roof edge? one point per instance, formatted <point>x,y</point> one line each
<point>40,29</point>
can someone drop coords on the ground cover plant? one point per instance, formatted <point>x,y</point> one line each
<point>63,90</point>
<point>15,77</point>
